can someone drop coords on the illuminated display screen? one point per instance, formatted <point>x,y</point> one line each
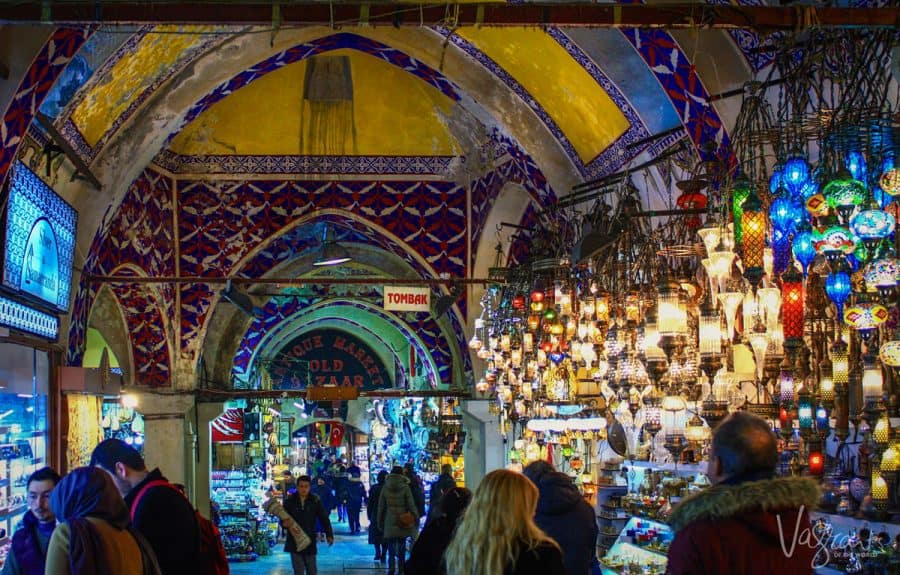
<point>40,240</point>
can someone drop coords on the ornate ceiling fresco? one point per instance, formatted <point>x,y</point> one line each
<point>415,130</point>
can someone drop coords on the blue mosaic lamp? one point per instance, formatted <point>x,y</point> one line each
<point>872,226</point>
<point>838,288</point>
<point>804,250</point>
<point>821,418</point>
<point>856,165</point>
<point>785,212</point>
<point>776,180</point>
<point>795,173</point>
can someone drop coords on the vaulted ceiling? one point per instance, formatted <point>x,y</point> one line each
<point>208,142</point>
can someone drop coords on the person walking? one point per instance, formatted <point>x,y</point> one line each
<point>28,552</point>
<point>443,484</point>
<point>416,487</point>
<point>356,496</point>
<point>322,489</point>
<point>427,555</point>
<point>498,535</point>
<point>306,508</point>
<point>339,481</point>
<point>94,537</point>
<point>564,515</point>
<point>397,517</point>
<point>376,536</point>
<point>747,522</point>
<point>173,535</point>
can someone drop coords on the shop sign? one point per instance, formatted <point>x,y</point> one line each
<point>406,298</point>
<point>40,240</point>
<point>335,359</point>
<point>228,427</point>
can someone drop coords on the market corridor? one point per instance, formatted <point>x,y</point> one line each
<point>350,555</point>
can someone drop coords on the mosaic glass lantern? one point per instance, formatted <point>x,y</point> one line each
<point>890,353</point>
<point>809,189</point>
<point>872,226</point>
<point>879,488</point>
<point>754,238</point>
<point>881,433</point>
<point>865,318</point>
<point>821,418</point>
<point>890,459</point>
<point>844,194</point>
<point>816,463</point>
<point>826,381</point>
<point>739,195</point>
<point>671,315</point>
<point>840,366</point>
<point>776,180</point>
<point>834,242</point>
<point>838,288</point>
<point>785,212</point>
<point>804,409</point>
<point>890,181</point>
<point>816,205</point>
<point>781,251</point>
<point>804,250</point>
<point>883,275</point>
<point>855,163</point>
<point>795,173</point>
<point>792,304</point>
<point>786,383</point>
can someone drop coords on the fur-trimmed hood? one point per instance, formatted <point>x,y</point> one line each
<point>744,500</point>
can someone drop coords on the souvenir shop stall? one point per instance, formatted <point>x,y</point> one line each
<point>38,236</point>
<point>425,431</point>
<point>769,284</point>
<point>245,451</point>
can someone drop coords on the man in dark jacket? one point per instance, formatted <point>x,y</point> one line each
<point>749,521</point>
<point>356,495</point>
<point>306,508</point>
<point>443,484</point>
<point>376,537</point>
<point>565,516</point>
<point>173,534</point>
<point>416,487</point>
<point>28,553</point>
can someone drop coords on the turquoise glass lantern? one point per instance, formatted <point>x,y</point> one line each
<point>872,226</point>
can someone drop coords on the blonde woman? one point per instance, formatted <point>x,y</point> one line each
<point>497,534</point>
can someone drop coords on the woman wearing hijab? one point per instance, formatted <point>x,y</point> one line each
<point>94,537</point>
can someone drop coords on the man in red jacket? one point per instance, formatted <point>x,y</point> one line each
<point>750,521</point>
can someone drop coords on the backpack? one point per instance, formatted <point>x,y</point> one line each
<point>211,559</point>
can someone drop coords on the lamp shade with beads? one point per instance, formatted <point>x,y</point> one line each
<point>840,366</point>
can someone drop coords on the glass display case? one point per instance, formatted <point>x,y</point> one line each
<point>640,548</point>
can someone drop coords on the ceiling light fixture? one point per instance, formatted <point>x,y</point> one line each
<point>331,253</point>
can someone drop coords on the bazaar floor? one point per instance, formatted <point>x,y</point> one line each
<point>350,555</point>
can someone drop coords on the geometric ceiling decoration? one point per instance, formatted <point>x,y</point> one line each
<point>345,103</point>
<point>585,113</point>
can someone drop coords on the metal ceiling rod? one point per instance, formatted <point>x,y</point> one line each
<point>570,14</point>
<point>285,281</point>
